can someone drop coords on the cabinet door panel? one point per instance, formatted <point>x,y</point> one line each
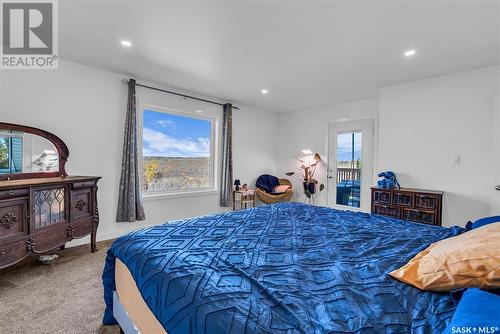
<point>13,219</point>
<point>49,206</point>
<point>81,204</point>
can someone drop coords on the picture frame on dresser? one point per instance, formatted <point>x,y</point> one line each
<point>41,207</point>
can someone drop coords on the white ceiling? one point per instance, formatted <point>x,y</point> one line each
<point>306,53</point>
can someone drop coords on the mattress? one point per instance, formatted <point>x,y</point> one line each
<point>282,268</point>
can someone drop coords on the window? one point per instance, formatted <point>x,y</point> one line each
<point>11,155</point>
<point>349,168</point>
<point>178,154</point>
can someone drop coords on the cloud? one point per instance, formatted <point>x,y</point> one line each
<point>166,123</point>
<point>157,143</point>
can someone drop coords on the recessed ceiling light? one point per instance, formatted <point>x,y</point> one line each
<point>199,111</point>
<point>126,43</point>
<point>264,91</point>
<point>410,53</point>
<point>307,152</point>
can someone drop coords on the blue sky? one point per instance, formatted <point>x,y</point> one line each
<point>344,146</point>
<point>168,135</point>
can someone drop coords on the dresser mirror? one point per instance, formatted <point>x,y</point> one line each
<point>27,152</point>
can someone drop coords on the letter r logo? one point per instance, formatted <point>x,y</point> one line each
<point>27,28</point>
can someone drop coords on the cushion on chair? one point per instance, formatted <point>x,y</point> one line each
<point>471,259</point>
<point>267,183</point>
<point>281,189</point>
<point>477,308</point>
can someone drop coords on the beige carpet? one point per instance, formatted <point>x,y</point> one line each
<point>65,297</point>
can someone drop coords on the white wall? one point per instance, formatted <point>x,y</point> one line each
<point>418,128</point>
<point>85,107</point>
<point>308,129</point>
<point>423,124</point>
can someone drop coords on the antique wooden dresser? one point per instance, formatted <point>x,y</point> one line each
<point>41,208</point>
<point>423,206</point>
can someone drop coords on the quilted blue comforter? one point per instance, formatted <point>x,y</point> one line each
<point>283,268</point>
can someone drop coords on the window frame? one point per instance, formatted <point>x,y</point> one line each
<point>213,158</point>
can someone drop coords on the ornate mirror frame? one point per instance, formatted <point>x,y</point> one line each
<point>61,147</point>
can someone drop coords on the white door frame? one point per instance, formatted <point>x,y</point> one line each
<point>367,127</point>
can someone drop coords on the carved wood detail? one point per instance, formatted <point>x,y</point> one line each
<point>30,244</point>
<point>80,204</point>
<point>8,220</point>
<point>70,231</point>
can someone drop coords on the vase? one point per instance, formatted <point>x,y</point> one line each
<point>311,186</point>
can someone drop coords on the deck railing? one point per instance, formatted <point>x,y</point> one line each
<point>348,174</point>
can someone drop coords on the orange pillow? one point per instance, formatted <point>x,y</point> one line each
<point>471,259</point>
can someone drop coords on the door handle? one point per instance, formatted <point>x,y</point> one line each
<point>497,187</point>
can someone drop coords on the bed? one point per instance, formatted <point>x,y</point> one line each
<point>281,268</point>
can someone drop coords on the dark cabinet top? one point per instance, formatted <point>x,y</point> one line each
<point>411,190</point>
<point>45,181</point>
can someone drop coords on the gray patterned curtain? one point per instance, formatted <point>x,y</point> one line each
<point>129,200</point>
<point>226,188</point>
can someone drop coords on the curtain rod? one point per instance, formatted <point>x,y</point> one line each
<point>179,94</point>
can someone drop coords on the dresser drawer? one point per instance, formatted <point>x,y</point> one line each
<point>13,252</point>
<point>402,199</point>
<point>421,216</point>
<point>81,228</point>
<point>13,193</point>
<point>426,201</point>
<point>81,204</point>
<point>83,185</point>
<point>381,197</point>
<point>51,238</point>
<point>13,222</point>
<point>386,210</point>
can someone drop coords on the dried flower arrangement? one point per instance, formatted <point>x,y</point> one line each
<point>306,175</point>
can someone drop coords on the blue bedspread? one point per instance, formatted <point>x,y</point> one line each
<point>283,268</point>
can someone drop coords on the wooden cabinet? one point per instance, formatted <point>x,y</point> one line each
<point>423,206</point>
<point>42,214</point>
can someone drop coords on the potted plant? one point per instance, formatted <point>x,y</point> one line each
<point>306,175</point>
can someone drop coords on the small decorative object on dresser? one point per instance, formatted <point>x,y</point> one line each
<point>41,208</point>
<point>244,198</point>
<point>423,206</point>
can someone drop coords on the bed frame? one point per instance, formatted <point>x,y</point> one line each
<point>127,325</point>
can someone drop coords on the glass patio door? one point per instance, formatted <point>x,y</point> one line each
<point>350,164</point>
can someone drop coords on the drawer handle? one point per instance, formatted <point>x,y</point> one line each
<point>8,220</point>
<point>11,192</point>
<point>80,204</point>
